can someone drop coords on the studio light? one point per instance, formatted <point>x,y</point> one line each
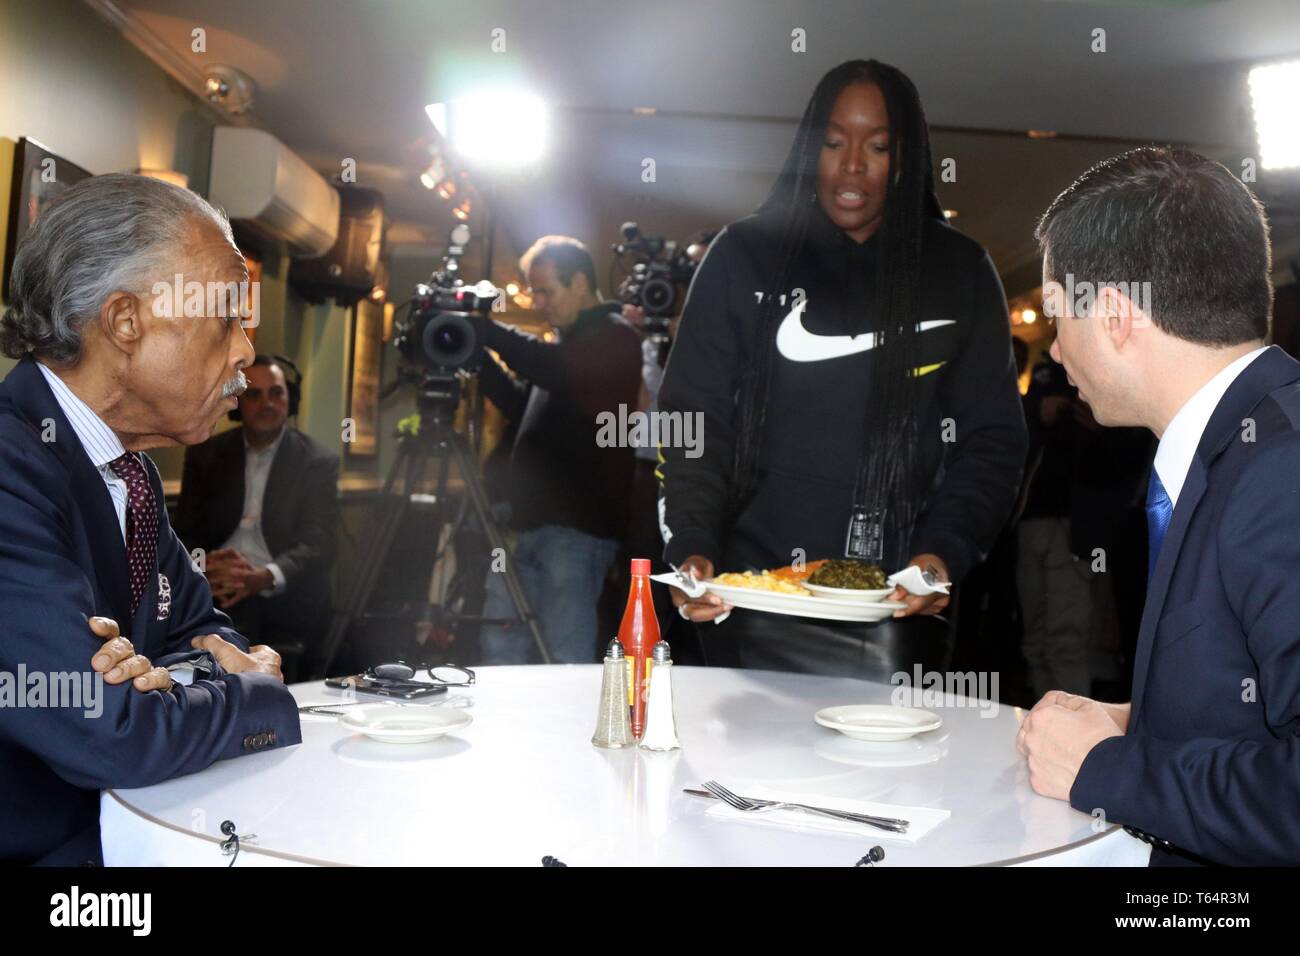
<point>499,128</point>
<point>1274,90</point>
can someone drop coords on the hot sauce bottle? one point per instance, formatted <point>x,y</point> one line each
<point>638,634</point>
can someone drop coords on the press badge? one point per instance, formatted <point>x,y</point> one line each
<point>866,538</point>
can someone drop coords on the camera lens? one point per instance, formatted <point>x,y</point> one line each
<point>657,296</point>
<point>448,340</point>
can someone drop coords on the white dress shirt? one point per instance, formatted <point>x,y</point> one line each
<point>1178,444</point>
<point>248,538</point>
<point>100,442</point>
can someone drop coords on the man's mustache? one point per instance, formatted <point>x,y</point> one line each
<point>235,386</point>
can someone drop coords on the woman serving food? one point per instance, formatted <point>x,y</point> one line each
<point>850,354</point>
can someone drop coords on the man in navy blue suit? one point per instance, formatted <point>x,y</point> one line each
<point>1156,265</point>
<point>99,595</point>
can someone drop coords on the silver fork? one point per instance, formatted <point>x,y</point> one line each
<point>689,584</point>
<point>753,805</point>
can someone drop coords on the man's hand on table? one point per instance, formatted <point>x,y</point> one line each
<point>1059,732</point>
<point>927,603</point>
<point>259,659</point>
<point>707,607</point>
<point>234,578</point>
<point>118,661</point>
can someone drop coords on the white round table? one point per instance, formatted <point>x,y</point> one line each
<point>523,782</point>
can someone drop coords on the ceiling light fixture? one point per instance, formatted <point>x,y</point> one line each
<point>228,88</point>
<point>496,128</point>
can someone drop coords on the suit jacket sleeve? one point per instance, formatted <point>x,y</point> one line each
<point>1231,801</point>
<point>135,739</point>
<point>317,533</point>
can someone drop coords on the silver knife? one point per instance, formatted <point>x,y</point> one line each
<point>883,823</point>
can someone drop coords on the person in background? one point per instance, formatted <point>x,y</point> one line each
<point>1080,482</point>
<point>568,493</point>
<point>1169,334</point>
<point>262,502</point>
<point>643,536</point>
<point>93,582</point>
<point>850,353</point>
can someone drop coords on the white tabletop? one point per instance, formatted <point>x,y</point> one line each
<point>523,781</point>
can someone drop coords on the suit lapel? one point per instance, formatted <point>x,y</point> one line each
<point>1194,486</point>
<point>278,484</point>
<point>32,396</point>
<point>230,510</point>
<point>105,533</point>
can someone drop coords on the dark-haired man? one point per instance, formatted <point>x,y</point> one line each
<point>569,491</point>
<point>1156,266</point>
<point>262,503</point>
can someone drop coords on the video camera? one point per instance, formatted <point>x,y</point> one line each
<point>441,335</point>
<point>658,278</point>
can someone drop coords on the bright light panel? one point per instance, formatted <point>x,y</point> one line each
<point>1274,92</point>
<point>499,128</point>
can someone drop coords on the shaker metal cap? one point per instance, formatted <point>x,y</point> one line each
<point>663,653</point>
<point>615,650</point>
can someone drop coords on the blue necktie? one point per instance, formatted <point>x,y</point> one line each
<point>1160,511</point>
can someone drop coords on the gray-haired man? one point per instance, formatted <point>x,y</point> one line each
<point>112,362</point>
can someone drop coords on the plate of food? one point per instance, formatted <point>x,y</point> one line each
<point>847,580</point>
<point>780,593</point>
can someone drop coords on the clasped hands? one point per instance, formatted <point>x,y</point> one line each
<point>119,663</point>
<point>233,577</point>
<point>1059,732</point>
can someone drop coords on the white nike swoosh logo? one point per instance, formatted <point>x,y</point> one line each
<point>799,345</point>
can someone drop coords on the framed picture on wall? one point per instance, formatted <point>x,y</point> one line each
<point>363,395</point>
<point>38,176</point>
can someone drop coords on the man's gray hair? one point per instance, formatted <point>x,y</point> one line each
<point>115,233</point>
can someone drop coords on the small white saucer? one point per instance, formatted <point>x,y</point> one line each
<point>878,722</point>
<point>404,725</point>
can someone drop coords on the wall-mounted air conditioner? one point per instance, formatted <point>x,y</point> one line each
<point>258,180</point>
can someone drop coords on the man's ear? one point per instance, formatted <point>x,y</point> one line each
<point>121,321</point>
<point>1118,314</point>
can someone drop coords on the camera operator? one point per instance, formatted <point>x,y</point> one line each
<point>568,496</point>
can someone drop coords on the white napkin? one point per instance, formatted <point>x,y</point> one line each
<point>911,580</point>
<point>922,819</point>
<point>696,589</point>
<point>672,580</point>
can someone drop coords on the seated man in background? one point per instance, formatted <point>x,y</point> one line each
<point>568,495</point>
<point>261,501</point>
<point>1169,333</point>
<point>89,566</point>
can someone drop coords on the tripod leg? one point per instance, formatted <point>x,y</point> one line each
<point>404,474</point>
<point>473,478</point>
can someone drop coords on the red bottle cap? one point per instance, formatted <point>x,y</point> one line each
<point>640,565</point>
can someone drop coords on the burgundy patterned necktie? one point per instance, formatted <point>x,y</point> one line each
<point>141,524</point>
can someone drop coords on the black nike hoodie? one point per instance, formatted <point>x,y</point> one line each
<point>971,429</point>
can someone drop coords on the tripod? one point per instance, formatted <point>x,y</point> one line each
<point>437,397</point>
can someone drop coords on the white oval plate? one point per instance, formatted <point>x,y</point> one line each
<point>857,596</point>
<point>804,605</point>
<point>878,721</point>
<point>405,725</point>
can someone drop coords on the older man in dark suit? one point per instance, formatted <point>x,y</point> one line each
<point>261,502</point>
<point>98,593</point>
<point>1157,268</point>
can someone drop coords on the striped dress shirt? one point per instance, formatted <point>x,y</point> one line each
<point>99,441</point>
